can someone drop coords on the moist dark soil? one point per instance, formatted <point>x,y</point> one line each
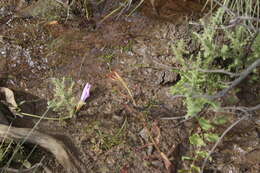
<point>108,133</point>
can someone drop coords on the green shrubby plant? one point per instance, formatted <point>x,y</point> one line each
<point>230,55</point>
<point>223,54</point>
<point>63,100</point>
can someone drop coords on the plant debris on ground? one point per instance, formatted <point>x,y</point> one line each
<point>130,86</point>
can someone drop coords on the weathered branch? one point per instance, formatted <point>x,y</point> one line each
<point>234,83</point>
<point>56,147</point>
<point>220,71</point>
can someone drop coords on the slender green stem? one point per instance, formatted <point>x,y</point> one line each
<point>44,118</point>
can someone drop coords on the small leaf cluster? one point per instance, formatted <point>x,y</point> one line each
<point>63,100</point>
<point>200,141</point>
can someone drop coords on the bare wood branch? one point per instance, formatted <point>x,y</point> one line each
<point>220,71</point>
<point>243,75</point>
<point>56,147</point>
<point>177,96</point>
<point>242,108</point>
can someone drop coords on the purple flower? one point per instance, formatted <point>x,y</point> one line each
<point>86,92</point>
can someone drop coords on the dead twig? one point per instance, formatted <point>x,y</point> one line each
<point>177,96</point>
<point>234,83</point>
<point>232,23</point>
<point>238,19</point>
<point>225,8</point>
<point>220,71</point>
<point>246,112</point>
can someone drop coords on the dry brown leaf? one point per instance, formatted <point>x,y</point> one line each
<point>54,22</point>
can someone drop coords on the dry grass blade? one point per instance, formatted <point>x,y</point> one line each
<point>111,13</point>
<point>115,76</point>
<point>138,5</point>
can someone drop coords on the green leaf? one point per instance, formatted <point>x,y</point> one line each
<point>27,164</point>
<point>205,125</point>
<point>224,49</point>
<point>211,137</point>
<point>202,154</point>
<point>186,158</point>
<point>220,120</point>
<point>195,139</point>
<point>195,168</point>
<point>184,171</point>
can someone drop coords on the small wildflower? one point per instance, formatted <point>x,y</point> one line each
<point>85,94</point>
